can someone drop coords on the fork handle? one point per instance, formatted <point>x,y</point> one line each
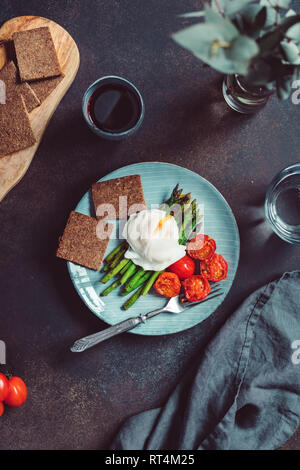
<point>89,341</point>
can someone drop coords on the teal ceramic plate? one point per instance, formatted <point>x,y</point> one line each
<point>158,180</point>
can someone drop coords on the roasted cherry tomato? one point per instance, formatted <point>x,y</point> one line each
<point>17,393</point>
<point>1,408</point>
<point>201,247</point>
<point>168,284</point>
<point>215,269</point>
<point>196,287</point>
<point>184,267</point>
<point>4,386</point>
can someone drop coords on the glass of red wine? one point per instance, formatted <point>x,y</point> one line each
<point>113,108</point>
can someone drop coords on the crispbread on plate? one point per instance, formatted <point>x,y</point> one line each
<point>80,242</point>
<point>9,75</point>
<point>15,129</point>
<point>125,195</point>
<point>36,54</point>
<point>43,88</point>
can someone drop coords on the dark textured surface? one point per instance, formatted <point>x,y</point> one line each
<point>78,401</point>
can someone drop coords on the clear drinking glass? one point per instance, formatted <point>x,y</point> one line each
<point>242,97</point>
<point>282,205</point>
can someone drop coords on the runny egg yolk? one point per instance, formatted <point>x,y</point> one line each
<point>161,222</point>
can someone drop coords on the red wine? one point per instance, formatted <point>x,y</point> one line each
<point>114,108</point>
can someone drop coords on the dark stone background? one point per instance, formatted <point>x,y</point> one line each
<point>79,401</point>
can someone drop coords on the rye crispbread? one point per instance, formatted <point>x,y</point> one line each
<point>36,54</point>
<point>9,75</point>
<point>125,194</point>
<point>15,129</point>
<point>80,243</point>
<point>43,88</point>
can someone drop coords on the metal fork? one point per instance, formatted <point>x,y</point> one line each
<point>174,305</point>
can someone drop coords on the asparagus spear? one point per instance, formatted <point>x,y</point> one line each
<point>130,271</point>
<point>117,283</point>
<point>123,270</point>
<point>186,220</point>
<point>110,257</point>
<point>138,283</point>
<point>114,271</point>
<point>110,288</point>
<point>134,278</point>
<point>194,228</point>
<point>150,283</point>
<point>133,298</point>
<point>118,257</point>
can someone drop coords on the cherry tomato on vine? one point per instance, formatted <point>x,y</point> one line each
<point>196,287</point>
<point>4,387</point>
<point>17,393</point>
<point>201,247</point>
<point>1,408</point>
<point>184,267</point>
<point>167,284</point>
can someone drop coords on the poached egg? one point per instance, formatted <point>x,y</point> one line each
<point>153,240</point>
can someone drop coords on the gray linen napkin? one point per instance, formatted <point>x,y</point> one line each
<point>245,391</point>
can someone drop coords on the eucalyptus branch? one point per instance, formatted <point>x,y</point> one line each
<point>257,43</point>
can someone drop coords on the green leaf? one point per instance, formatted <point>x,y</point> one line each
<point>219,45</point>
<point>291,52</point>
<point>269,41</point>
<point>232,7</point>
<point>243,49</point>
<point>260,73</point>
<point>294,32</point>
<point>211,16</point>
<point>192,14</point>
<point>283,87</point>
<point>296,74</point>
<point>250,11</point>
<point>277,4</point>
<point>254,19</point>
<point>200,37</point>
<point>290,13</point>
<point>260,19</point>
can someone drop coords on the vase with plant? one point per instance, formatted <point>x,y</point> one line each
<point>256,43</point>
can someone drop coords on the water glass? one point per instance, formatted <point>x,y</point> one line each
<point>282,205</point>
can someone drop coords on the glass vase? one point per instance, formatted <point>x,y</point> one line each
<point>243,97</point>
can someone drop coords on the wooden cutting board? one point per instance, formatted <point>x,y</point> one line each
<point>14,166</point>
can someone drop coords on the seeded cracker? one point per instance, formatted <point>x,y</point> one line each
<point>15,129</point>
<point>9,75</point>
<point>129,188</point>
<point>36,54</point>
<point>80,243</point>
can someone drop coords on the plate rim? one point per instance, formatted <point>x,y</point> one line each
<point>135,331</point>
